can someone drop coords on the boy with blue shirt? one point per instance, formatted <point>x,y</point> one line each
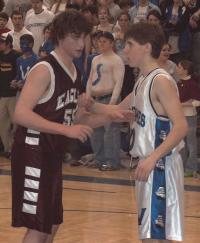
<point>26,61</point>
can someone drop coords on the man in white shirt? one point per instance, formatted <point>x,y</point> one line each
<point>19,29</point>
<point>36,20</point>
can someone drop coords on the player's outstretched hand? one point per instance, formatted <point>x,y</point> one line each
<point>122,116</point>
<point>81,132</point>
<point>85,101</point>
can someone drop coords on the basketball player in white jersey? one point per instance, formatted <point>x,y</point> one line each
<point>160,127</point>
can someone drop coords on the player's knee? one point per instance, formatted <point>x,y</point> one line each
<point>35,236</point>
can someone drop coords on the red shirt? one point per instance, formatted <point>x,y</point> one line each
<point>5,30</point>
<point>188,89</point>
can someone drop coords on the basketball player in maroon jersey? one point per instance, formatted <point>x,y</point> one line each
<point>46,111</point>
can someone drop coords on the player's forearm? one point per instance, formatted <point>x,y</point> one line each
<point>30,119</point>
<point>177,133</point>
<point>92,120</point>
<point>105,109</point>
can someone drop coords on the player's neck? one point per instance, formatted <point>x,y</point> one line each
<point>107,53</point>
<point>147,67</point>
<point>67,60</point>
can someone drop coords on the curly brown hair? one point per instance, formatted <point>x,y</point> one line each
<point>68,22</point>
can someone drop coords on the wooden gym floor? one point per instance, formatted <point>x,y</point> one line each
<point>99,207</point>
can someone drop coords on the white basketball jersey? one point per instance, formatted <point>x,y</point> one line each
<point>147,121</point>
<point>160,199</point>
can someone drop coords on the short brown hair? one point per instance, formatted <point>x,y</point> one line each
<point>187,65</point>
<point>144,32</point>
<point>70,21</point>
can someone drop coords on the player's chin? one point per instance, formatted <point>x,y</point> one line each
<point>77,54</point>
<point>132,64</point>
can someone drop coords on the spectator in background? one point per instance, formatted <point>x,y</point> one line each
<point>195,26</point>
<point>48,3</point>
<point>24,62</point>
<point>104,20</point>
<point>94,52</point>
<point>119,31</point>
<point>36,20</point>
<point>72,5</point>
<point>47,46</point>
<point>113,8</point>
<point>140,11</point>
<point>104,85</point>
<point>125,5</point>
<point>90,12</point>
<point>59,6</point>
<point>8,71</point>
<point>164,62</point>
<point>1,8</point>
<point>154,17</point>
<point>3,22</point>
<point>21,5</point>
<point>90,3</point>
<point>2,4</point>
<point>19,29</point>
<point>173,14</point>
<point>189,93</point>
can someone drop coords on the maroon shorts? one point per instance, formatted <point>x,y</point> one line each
<point>36,188</point>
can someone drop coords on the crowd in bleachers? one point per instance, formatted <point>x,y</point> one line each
<point>25,37</point>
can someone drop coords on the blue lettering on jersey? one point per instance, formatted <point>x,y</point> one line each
<point>139,117</point>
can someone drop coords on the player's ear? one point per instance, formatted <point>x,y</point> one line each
<point>148,47</point>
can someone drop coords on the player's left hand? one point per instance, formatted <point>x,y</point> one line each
<point>85,101</point>
<point>144,169</point>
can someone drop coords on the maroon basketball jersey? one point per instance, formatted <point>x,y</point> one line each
<point>58,105</point>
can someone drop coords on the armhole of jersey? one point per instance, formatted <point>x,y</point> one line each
<point>49,93</point>
<point>150,88</point>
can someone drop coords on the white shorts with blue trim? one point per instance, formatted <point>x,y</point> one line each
<point>160,201</point>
